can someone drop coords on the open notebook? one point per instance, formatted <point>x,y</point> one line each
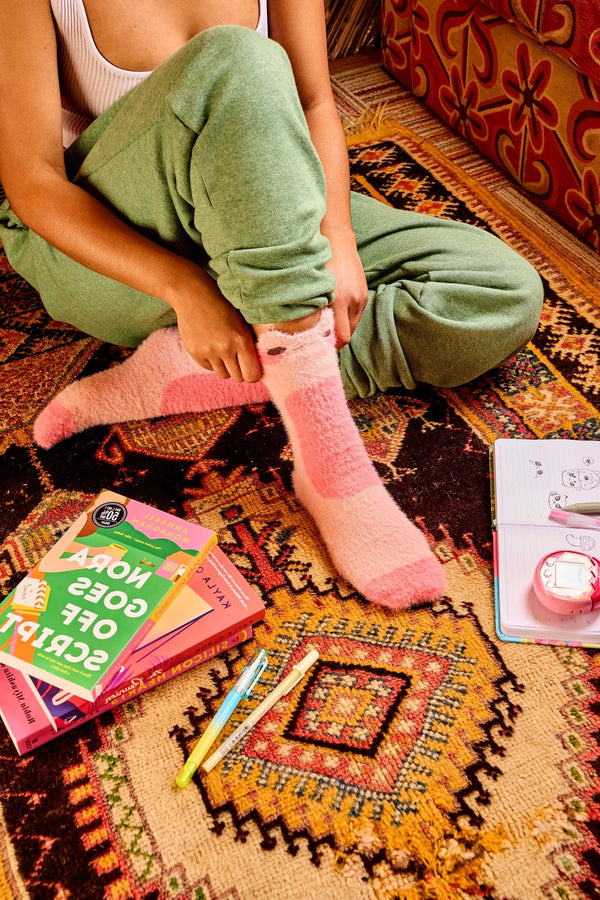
<point>529,479</point>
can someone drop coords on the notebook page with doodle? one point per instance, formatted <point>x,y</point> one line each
<point>530,478</point>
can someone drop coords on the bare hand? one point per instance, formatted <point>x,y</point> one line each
<point>217,337</point>
<point>351,292</point>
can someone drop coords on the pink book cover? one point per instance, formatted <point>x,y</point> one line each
<point>25,716</point>
<point>214,611</point>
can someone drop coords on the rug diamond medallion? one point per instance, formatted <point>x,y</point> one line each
<point>381,729</point>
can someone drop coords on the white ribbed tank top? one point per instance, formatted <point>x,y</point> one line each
<point>89,83</point>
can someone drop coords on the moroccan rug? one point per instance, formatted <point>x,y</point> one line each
<point>422,758</point>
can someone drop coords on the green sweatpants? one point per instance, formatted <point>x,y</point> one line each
<point>211,157</point>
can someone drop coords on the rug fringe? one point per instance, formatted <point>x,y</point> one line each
<point>371,125</point>
<point>431,863</point>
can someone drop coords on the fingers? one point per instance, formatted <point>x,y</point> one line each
<point>355,313</point>
<point>241,366</point>
<point>217,366</point>
<point>346,317</point>
<point>249,365</point>
<point>343,331</point>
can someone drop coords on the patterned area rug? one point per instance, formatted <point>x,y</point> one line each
<point>422,758</point>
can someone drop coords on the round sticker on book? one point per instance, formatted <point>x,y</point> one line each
<point>107,515</point>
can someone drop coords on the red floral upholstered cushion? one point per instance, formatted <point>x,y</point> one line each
<point>515,98</point>
<point>571,29</point>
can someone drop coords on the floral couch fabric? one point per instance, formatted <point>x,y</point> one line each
<point>572,30</point>
<point>521,80</point>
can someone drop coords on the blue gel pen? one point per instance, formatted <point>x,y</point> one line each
<point>241,689</point>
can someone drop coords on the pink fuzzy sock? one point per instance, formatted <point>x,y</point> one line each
<point>158,379</point>
<point>370,540</point>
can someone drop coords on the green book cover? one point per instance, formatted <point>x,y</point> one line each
<point>93,597</point>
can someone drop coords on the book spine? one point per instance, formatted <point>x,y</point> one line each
<point>26,737</point>
<point>22,711</point>
<point>113,670</point>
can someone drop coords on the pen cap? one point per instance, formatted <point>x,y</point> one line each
<point>574,520</point>
<point>309,660</point>
<point>560,515</point>
<point>301,668</point>
<point>251,673</point>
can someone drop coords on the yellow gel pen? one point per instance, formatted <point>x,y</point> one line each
<point>243,686</point>
<point>296,674</point>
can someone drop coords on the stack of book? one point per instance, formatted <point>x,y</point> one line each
<point>128,598</point>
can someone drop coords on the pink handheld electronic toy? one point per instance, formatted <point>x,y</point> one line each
<point>568,582</point>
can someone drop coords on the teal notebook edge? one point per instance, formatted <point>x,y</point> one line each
<point>503,637</point>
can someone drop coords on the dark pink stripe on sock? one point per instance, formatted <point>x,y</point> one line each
<point>199,393</point>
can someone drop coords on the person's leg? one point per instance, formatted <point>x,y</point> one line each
<point>260,230</point>
<point>158,379</point>
<point>370,540</point>
<point>447,302</point>
<point>210,156</point>
<point>209,150</point>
